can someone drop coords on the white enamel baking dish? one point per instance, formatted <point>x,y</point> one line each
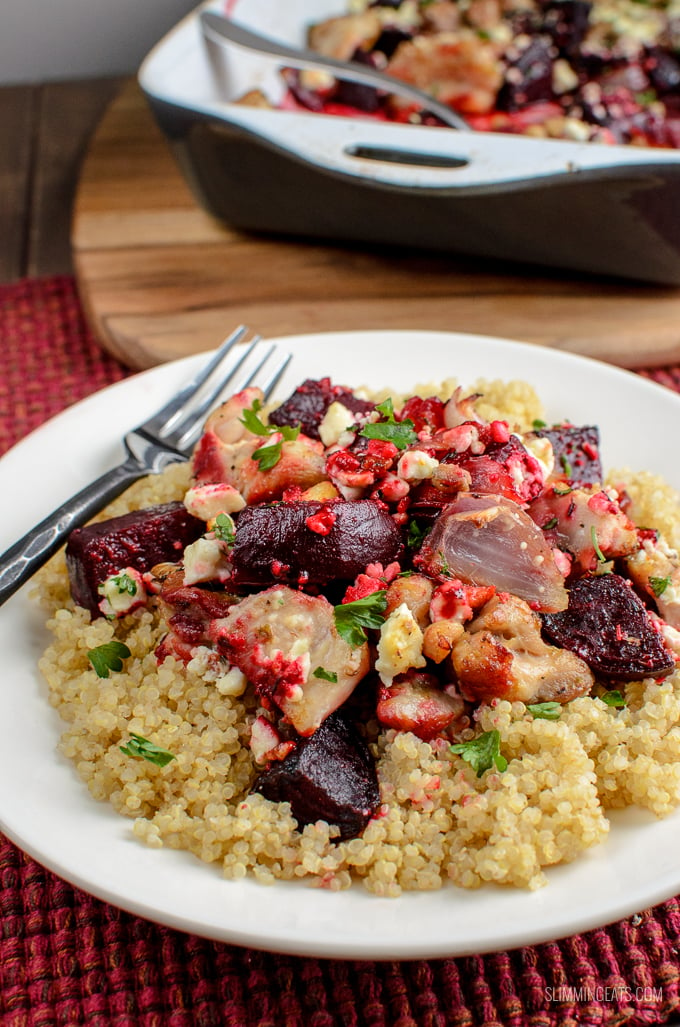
<point>608,210</point>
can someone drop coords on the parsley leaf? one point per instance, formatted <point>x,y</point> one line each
<point>659,585</point>
<point>545,710</point>
<point>566,466</point>
<point>142,748</point>
<point>614,698</point>
<point>267,456</point>
<point>224,529</point>
<point>482,752</point>
<point>537,424</point>
<point>325,675</point>
<point>400,433</point>
<point>352,618</point>
<point>415,535</point>
<point>108,657</point>
<point>252,422</point>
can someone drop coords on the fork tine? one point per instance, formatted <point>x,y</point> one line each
<point>163,421</point>
<point>191,427</point>
<point>190,412</point>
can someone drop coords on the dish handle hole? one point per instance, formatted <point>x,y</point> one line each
<point>393,155</point>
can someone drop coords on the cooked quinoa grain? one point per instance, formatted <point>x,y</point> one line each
<point>438,822</point>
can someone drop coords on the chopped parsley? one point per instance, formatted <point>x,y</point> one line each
<point>108,657</point>
<point>566,466</point>
<point>545,710</point>
<point>125,584</point>
<point>142,748</point>
<point>326,675</point>
<point>415,535</point>
<point>400,433</point>
<point>659,585</point>
<point>601,558</point>
<point>267,456</point>
<point>614,698</point>
<point>552,523</point>
<point>352,618</point>
<point>224,529</point>
<point>537,424</point>
<point>482,752</point>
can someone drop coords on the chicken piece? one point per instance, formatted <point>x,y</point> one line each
<point>503,656</point>
<point>416,592</point>
<point>226,420</point>
<point>301,464</point>
<point>341,37</point>
<point>415,703</point>
<point>286,644</point>
<point>583,520</point>
<point>459,68</point>
<point>655,570</point>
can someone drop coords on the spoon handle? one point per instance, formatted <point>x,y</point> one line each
<point>220,29</point>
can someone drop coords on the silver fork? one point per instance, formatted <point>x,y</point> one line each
<point>165,438</point>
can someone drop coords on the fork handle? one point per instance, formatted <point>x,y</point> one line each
<point>27,555</point>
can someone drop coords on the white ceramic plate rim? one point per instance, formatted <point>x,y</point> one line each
<point>50,815</point>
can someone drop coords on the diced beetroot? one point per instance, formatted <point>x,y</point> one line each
<point>311,542</point>
<point>607,625</point>
<point>139,539</point>
<point>577,452</point>
<point>329,776</point>
<point>310,401</point>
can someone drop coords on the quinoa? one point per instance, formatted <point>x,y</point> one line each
<point>438,823</point>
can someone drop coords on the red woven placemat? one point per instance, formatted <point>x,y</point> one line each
<point>68,959</point>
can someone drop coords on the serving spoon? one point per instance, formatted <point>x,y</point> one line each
<point>220,30</point>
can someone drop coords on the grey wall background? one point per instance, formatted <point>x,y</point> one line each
<point>49,40</point>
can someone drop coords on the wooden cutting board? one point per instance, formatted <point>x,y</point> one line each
<point>160,278</point>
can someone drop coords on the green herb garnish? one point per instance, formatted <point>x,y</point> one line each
<point>142,748</point>
<point>614,698</point>
<point>399,433</point>
<point>325,675</point>
<point>537,424</point>
<point>545,710</point>
<point>108,657</point>
<point>566,466</point>
<point>124,583</point>
<point>482,752</point>
<point>352,618</point>
<point>601,558</point>
<point>224,529</point>
<point>552,523</point>
<point>659,585</point>
<point>415,535</point>
<point>267,456</point>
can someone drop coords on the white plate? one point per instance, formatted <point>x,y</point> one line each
<point>48,812</point>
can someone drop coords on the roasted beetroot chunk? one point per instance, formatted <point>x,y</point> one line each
<point>329,776</point>
<point>139,539</point>
<point>577,452</point>
<point>607,625</point>
<point>310,401</point>
<point>311,542</point>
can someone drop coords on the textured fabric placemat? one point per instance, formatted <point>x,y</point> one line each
<point>68,959</point>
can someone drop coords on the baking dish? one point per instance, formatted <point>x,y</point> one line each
<point>588,207</point>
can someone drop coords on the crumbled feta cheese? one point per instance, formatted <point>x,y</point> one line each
<point>416,465</point>
<point>336,420</point>
<point>122,592</point>
<point>400,646</point>
<point>234,682</point>
<point>205,560</point>
<point>207,501</point>
<point>541,449</point>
